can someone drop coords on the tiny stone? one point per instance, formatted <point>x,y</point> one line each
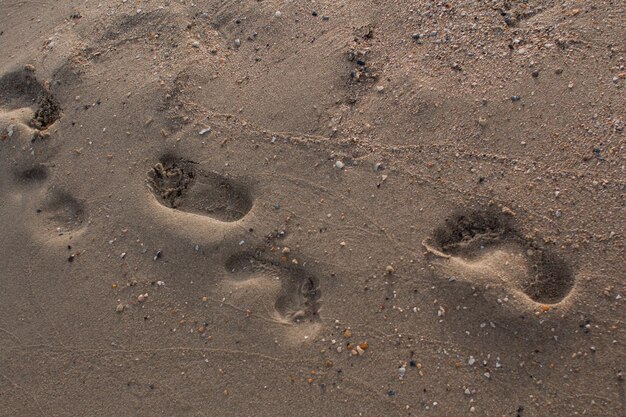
<point>278,13</point>
<point>195,44</point>
<point>390,270</point>
<point>339,165</point>
<point>535,73</point>
<point>515,98</point>
<point>119,308</point>
<point>237,42</point>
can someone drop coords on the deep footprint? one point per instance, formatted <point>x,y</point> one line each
<point>470,234</point>
<point>20,89</point>
<point>182,185</point>
<point>299,298</point>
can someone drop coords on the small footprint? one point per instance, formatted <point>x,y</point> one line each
<point>298,299</point>
<point>485,245</point>
<point>182,185</point>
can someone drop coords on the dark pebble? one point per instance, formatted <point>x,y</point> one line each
<point>391,393</point>
<point>515,98</point>
<point>314,13</point>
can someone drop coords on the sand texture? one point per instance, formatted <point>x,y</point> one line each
<point>312,208</point>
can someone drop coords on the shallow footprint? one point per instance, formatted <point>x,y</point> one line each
<point>298,296</point>
<point>485,246</point>
<point>62,213</point>
<point>182,185</point>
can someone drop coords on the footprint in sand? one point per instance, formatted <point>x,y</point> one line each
<point>62,213</point>
<point>484,247</point>
<point>276,290</point>
<point>27,109</point>
<point>296,292</point>
<point>182,185</point>
<point>20,90</point>
<point>57,212</point>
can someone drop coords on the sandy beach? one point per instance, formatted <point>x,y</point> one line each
<point>312,208</point>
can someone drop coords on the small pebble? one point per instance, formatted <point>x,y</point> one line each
<point>339,165</point>
<point>278,13</point>
<point>237,42</point>
<point>119,308</point>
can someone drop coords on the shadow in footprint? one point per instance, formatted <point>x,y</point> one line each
<point>20,89</point>
<point>299,298</point>
<point>184,186</point>
<point>487,241</point>
<point>63,212</point>
<point>33,175</point>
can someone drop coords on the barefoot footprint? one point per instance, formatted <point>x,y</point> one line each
<point>182,185</point>
<point>274,290</point>
<point>298,293</point>
<point>485,247</point>
<point>21,90</point>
